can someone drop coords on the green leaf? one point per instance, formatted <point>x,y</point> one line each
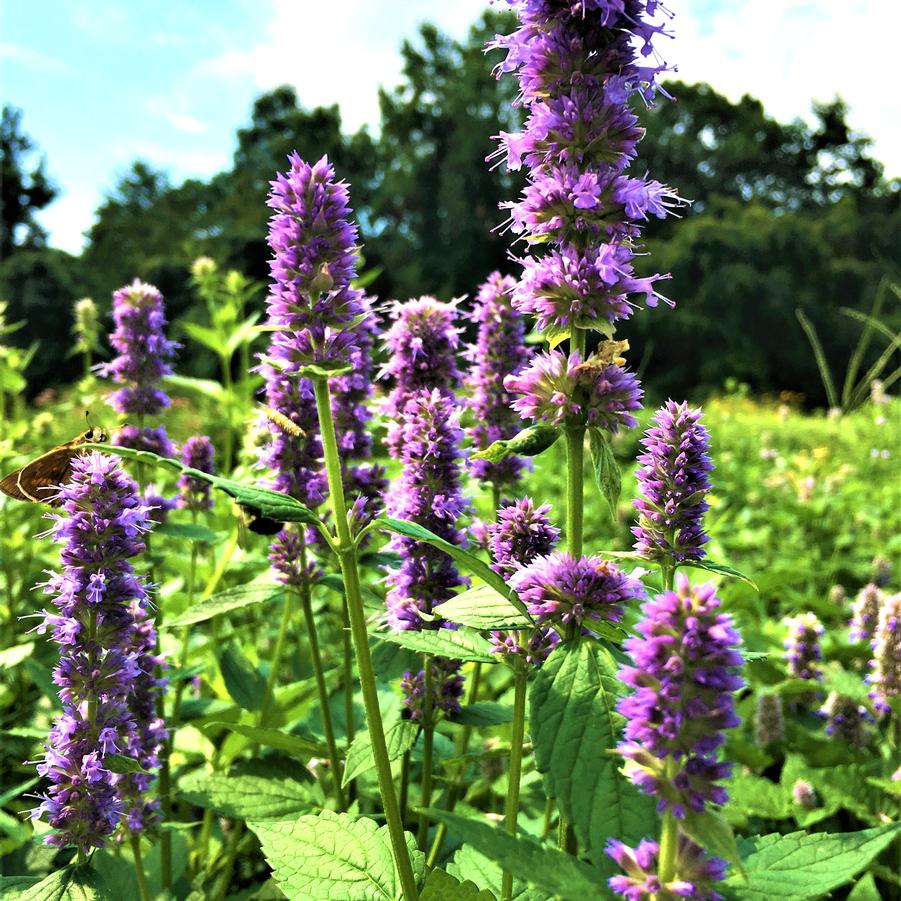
<point>295,745</point>
<point>204,335</point>
<point>243,334</point>
<point>187,531</point>
<point>14,828</point>
<point>485,713</point>
<point>10,657</point>
<point>245,683</point>
<point>482,608</point>
<point>607,474</point>
<point>67,884</point>
<point>476,867</point>
<point>713,833</point>
<point>801,865</point>
<point>272,504</point>
<point>207,387</point>
<point>441,886</point>
<point>529,442</point>
<point>121,763</point>
<point>225,602</point>
<point>324,370</point>
<point>751,795</point>
<point>399,737</point>
<point>720,569</point>
<point>574,726</point>
<point>543,866</point>
<point>865,890</point>
<point>12,886</point>
<point>333,856</point>
<point>265,788</point>
<point>468,561</point>
<point>454,644</point>
<point>556,335</point>
<point>391,661</point>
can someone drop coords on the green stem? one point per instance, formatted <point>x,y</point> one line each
<point>405,786</point>
<point>139,868</point>
<point>514,775</point>
<point>185,642</point>
<point>321,687</point>
<point>548,818</point>
<point>575,457</point>
<point>229,443</point>
<point>348,678</point>
<point>275,664</point>
<point>669,834</point>
<point>347,555</point>
<point>428,750</point>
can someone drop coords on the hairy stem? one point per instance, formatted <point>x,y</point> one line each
<point>514,775</point>
<point>143,888</point>
<point>428,748</point>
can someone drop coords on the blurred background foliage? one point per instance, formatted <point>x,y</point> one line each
<point>784,216</point>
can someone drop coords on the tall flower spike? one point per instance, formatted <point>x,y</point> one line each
<point>769,722</point>
<point>499,351</point>
<point>520,533</point>
<point>198,453</point>
<point>846,720</point>
<point>105,672</point>
<point>673,480</point>
<point>865,612</point>
<point>885,674</point>
<point>684,676</point>
<point>802,646</point>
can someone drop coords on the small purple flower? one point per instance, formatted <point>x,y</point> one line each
<point>684,677</point>
<point>106,668</point>
<point>804,795</point>
<point>447,689</point>
<point>673,480</point>
<point>865,612</point>
<point>521,533</point>
<point>148,438</point>
<point>846,720</point>
<point>499,351</point>
<point>882,571</point>
<point>198,453</point>
<point>769,722</point>
<point>565,390</point>
<point>285,555</point>
<point>802,646</point>
<point>885,667</point>
<point>533,646</point>
<point>143,351</point>
<point>696,872</point>
<point>559,589</point>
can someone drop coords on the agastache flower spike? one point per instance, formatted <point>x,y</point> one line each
<point>885,674</point>
<point>105,672</point>
<point>802,646</point>
<point>846,720</point>
<point>673,480</point>
<point>198,453</point>
<point>499,351</point>
<point>683,677</point>
<point>769,722</point>
<point>865,612</point>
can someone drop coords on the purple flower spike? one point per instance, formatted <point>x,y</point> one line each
<point>521,533</point>
<point>802,646</point>
<point>559,589</point>
<point>673,480</point>
<point>565,390</point>
<point>447,689</point>
<point>846,719</point>
<point>144,353</point>
<point>865,612</point>
<point>885,667</point>
<point>106,670</point>
<point>198,453</point>
<point>500,351</point>
<point>683,677</point>
<point>426,492</point>
<point>148,438</point>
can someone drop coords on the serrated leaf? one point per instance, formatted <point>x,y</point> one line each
<point>333,857</point>
<point>391,661</point>
<point>470,864</point>
<point>607,474</point>
<point>11,887</point>
<point>543,866</point>
<point>484,713</point>
<point>245,683</point>
<point>450,643</point>
<point>10,657</point>
<point>751,795</point>
<point>252,789</point>
<point>67,884</point>
<point>468,561</point>
<point>441,886</point>
<point>271,504</point>
<point>574,725</point>
<point>483,608</point>
<point>720,569</point>
<point>122,763</point>
<point>187,531</point>
<point>225,602</point>
<point>713,833</point>
<point>399,737</point>
<point>296,745</point>
<point>801,865</point>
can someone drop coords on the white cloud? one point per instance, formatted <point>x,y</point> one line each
<point>32,59</point>
<point>180,161</point>
<point>790,52</point>
<point>184,122</point>
<point>67,218</point>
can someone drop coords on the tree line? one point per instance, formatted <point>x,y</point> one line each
<point>783,216</point>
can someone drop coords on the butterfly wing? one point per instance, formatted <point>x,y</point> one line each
<point>10,487</point>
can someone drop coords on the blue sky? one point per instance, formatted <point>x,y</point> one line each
<point>103,83</point>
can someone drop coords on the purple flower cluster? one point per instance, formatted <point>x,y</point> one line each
<point>499,351</point>
<point>802,646</point>
<point>286,557</point>
<point>696,872</point>
<point>107,662</point>
<point>563,390</point>
<point>683,677</point>
<point>446,692</point>
<point>426,492</point>
<point>143,350</point>
<point>846,720</point>
<point>865,612</point>
<point>673,480</point>
<point>561,590</point>
<point>885,667</point>
<point>198,453</point>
